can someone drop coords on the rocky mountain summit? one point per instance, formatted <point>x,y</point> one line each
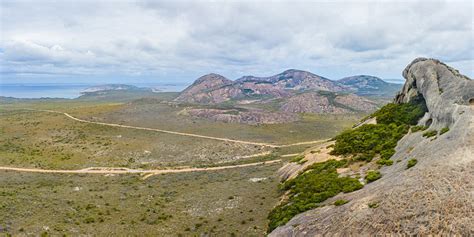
<point>433,197</point>
<point>296,80</point>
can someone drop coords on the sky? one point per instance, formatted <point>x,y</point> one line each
<point>145,41</point>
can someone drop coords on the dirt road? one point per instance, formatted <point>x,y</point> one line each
<point>179,133</point>
<point>120,170</point>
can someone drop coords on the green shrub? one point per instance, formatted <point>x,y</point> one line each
<point>340,202</point>
<point>373,205</point>
<point>408,113</point>
<point>393,121</point>
<point>418,128</point>
<point>365,156</point>
<point>385,162</point>
<point>443,131</point>
<point>387,154</point>
<point>298,159</point>
<point>372,175</point>
<point>430,133</point>
<point>319,182</point>
<point>369,139</point>
<point>411,163</point>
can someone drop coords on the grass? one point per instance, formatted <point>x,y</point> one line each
<point>411,163</point>
<point>308,190</point>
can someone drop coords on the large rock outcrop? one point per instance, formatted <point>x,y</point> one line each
<point>434,197</point>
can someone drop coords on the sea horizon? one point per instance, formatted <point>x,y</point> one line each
<point>70,90</point>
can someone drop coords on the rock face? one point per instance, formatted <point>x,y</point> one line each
<point>433,197</point>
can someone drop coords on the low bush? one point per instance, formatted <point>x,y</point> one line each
<point>319,182</point>
<point>411,163</point>
<point>418,128</point>
<point>298,159</point>
<point>443,130</point>
<point>372,175</point>
<point>373,205</point>
<point>385,162</point>
<point>340,202</point>
<point>430,133</point>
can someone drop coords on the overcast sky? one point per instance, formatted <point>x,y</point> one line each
<point>166,41</point>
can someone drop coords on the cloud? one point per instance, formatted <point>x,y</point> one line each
<point>183,39</point>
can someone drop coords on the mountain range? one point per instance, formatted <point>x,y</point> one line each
<point>278,98</point>
<point>213,88</point>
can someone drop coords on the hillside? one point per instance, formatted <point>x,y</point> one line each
<point>420,187</point>
<point>370,85</point>
<point>326,103</point>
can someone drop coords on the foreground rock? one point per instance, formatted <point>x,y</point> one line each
<point>434,196</point>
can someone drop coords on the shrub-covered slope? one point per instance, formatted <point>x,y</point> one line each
<point>428,188</point>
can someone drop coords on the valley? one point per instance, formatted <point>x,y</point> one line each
<point>107,164</point>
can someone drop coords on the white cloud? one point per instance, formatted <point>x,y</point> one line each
<point>185,39</point>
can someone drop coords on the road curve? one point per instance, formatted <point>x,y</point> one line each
<point>179,133</point>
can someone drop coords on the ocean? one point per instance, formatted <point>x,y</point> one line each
<point>66,90</point>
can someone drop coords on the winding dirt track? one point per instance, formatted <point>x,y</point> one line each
<point>179,133</point>
<point>147,173</point>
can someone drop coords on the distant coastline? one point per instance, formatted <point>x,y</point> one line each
<point>70,90</point>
